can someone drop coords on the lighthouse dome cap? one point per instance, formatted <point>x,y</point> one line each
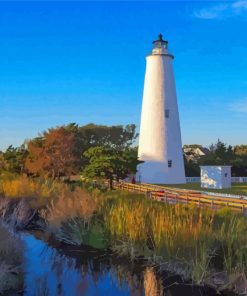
<point>160,40</point>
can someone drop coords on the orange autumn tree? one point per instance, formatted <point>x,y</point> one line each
<point>54,154</point>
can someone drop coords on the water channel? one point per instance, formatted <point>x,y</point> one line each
<point>69,271</point>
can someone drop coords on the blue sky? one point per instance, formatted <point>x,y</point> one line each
<point>84,62</point>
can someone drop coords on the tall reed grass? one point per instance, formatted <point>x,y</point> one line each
<point>69,216</point>
<point>39,191</point>
<point>69,205</point>
<point>186,238</point>
<point>185,234</point>
<point>189,237</point>
<point>22,186</point>
<point>174,228</point>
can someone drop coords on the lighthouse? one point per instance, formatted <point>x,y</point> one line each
<point>160,145</point>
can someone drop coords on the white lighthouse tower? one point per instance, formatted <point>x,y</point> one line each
<point>160,145</point>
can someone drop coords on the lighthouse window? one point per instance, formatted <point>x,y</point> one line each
<point>169,163</point>
<point>167,112</point>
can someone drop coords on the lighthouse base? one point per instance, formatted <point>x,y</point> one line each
<point>159,173</point>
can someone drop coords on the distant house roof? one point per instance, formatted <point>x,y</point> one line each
<point>205,150</point>
<point>193,146</point>
<point>193,152</point>
<point>196,148</point>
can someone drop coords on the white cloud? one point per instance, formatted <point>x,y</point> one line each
<point>240,106</point>
<point>221,11</point>
<point>240,4</point>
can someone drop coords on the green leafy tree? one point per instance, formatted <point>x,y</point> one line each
<point>223,154</point>
<point>108,163</point>
<point>220,154</point>
<point>91,135</point>
<point>13,159</point>
<point>116,137</point>
<point>3,163</point>
<point>192,168</point>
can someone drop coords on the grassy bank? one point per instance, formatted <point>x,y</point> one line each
<point>237,188</point>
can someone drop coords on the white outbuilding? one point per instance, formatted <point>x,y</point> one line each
<point>216,177</point>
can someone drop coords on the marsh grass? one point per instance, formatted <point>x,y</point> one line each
<point>185,235</point>
<point>38,190</point>
<point>68,205</point>
<point>72,218</point>
<point>184,238</point>
<point>232,239</point>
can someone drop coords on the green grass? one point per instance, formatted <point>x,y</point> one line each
<point>237,188</point>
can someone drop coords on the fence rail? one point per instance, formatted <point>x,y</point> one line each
<point>239,179</point>
<point>193,179</point>
<point>198,179</point>
<point>185,196</point>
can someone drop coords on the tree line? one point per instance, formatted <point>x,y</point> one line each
<point>220,154</point>
<point>93,151</point>
<point>99,151</point>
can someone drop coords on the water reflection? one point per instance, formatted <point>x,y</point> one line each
<point>49,272</point>
<point>152,284</point>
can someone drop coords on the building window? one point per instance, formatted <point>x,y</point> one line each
<point>167,113</point>
<point>169,163</point>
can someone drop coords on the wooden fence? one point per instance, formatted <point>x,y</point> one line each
<point>185,196</point>
<point>198,179</point>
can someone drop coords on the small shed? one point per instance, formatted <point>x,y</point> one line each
<point>216,177</point>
